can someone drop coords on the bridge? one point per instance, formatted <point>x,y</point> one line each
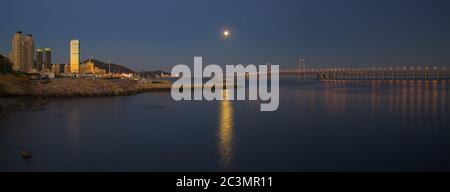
<point>386,73</point>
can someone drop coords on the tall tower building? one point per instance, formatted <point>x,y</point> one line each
<point>28,53</point>
<point>39,59</point>
<point>74,55</point>
<point>48,58</point>
<point>17,58</point>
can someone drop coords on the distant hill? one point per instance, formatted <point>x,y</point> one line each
<point>152,74</point>
<point>115,68</point>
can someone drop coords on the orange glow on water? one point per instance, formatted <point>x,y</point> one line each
<point>226,131</point>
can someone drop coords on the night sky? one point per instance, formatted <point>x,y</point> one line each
<point>150,35</point>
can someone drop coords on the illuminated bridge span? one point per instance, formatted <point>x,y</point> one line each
<point>392,73</point>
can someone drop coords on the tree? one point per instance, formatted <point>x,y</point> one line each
<point>5,65</point>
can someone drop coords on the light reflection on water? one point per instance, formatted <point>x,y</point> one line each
<point>226,131</point>
<point>325,126</point>
<point>402,98</point>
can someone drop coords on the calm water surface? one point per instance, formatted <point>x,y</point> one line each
<point>320,126</point>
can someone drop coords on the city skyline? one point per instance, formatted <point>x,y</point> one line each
<point>226,95</point>
<point>158,35</point>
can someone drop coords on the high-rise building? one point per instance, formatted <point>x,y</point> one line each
<point>39,59</point>
<point>17,58</point>
<point>28,53</point>
<point>48,58</point>
<point>74,56</point>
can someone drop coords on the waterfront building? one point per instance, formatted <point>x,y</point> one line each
<point>39,59</point>
<point>89,68</point>
<point>17,58</point>
<point>28,53</point>
<point>74,56</point>
<point>48,58</point>
<point>56,69</point>
<point>66,68</point>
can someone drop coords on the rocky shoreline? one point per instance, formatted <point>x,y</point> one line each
<point>19,93</point>
<point>61,88</point>
<point>9,105</point>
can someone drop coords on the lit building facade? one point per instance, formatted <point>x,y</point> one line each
<point>39,59</point>
<point>89,68</point>
<point>48,58</point>
<point>56,69</point>
<point>66,69</point>
<point>74,56</point>
<point>17,58</point>
<point>28,53</point>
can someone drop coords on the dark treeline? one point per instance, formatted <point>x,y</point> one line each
<point>5,65</point>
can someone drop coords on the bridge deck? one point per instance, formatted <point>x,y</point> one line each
<point>371,74</point>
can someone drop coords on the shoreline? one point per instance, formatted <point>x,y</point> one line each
<point>18,93</point>
<point>11,104</point>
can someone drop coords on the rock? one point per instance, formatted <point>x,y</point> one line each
<point>25,155</point>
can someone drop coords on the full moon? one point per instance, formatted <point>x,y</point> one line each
<point>226,33</point>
